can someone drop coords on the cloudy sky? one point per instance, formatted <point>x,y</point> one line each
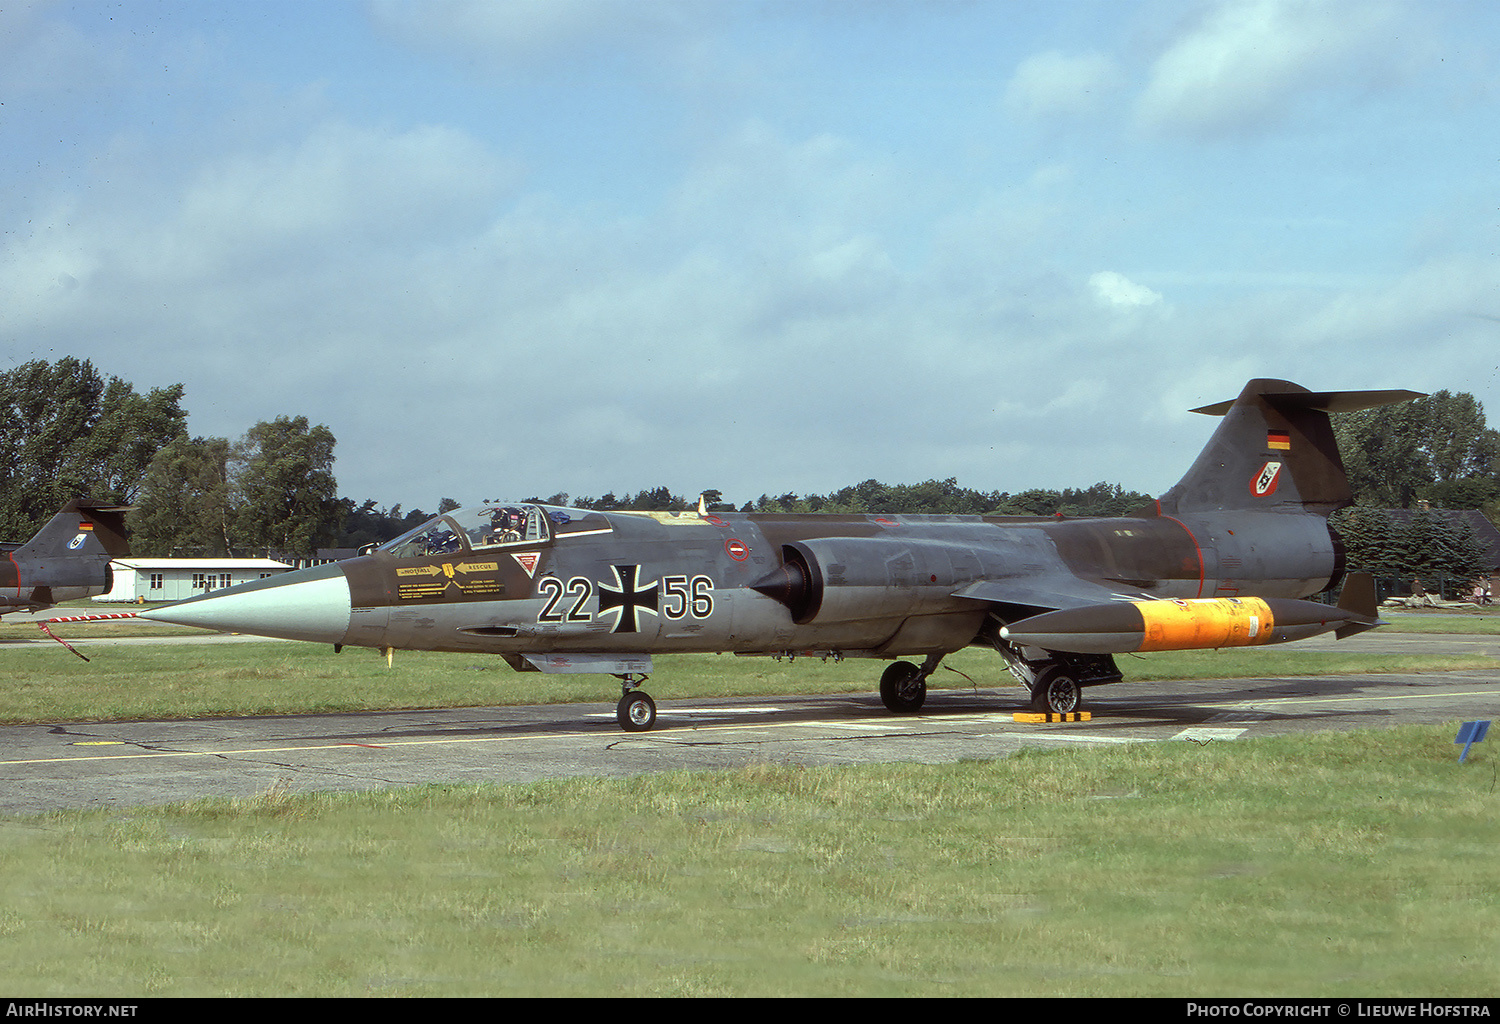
<point>517,247</point>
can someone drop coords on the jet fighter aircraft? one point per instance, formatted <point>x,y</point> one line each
<point>1225,558</point>
<point>67,559</point>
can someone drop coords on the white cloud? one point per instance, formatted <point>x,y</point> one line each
<point>266,222</point>
<point>1246,62</point>
<point>1118,290</point>
<point>39,54</point>
<point>341,186</point>
<point>795,304</point>
<point>1053,84</point>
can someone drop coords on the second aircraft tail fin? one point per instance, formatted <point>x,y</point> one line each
<point>81,527</point>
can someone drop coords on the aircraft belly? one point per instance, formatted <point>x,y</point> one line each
<point>935,634</point>
<point>762,626</point>
<point>61,594</point>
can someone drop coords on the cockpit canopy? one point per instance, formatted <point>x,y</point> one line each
<point>473,529</point>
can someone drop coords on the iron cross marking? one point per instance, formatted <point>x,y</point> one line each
<point>629,599</point>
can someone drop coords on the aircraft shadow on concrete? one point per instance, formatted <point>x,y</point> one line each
<point>687,714</point>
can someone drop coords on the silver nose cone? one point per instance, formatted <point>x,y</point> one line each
<point>309,604</point>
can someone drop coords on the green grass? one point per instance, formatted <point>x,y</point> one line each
<point>1474,620</point>
<point>1334,864</point>
<point>1356,864</point>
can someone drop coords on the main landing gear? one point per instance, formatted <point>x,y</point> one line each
<point>903,686</point>
<point>1056,679</point>
<point>636,711</point>
<point>1056,692</point>
<point>1054,686</point>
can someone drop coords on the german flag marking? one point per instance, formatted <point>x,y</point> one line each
<point>1280,440</point>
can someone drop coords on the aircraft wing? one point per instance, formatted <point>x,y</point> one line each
<point>1051,593</point>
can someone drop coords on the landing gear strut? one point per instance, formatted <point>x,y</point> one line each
<point>1055,679</point>
<point>636,711</point>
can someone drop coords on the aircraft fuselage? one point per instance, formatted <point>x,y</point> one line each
<point>876,586</point>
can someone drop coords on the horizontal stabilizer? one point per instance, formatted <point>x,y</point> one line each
<point>1321,401</point>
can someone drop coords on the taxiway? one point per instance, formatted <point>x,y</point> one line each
<point>113,764</point>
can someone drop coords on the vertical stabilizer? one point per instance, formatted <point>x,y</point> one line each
<point>1359,600</point>
<point>1273,452</point>
<point>81,528</point>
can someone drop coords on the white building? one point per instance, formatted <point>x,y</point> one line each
<point>172,579</point>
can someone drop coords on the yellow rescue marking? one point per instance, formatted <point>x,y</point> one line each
<point>100,743</point>
<point>1204,623</point>
<point>1052,716</point>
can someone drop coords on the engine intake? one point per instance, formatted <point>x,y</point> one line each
<point>793,584</point>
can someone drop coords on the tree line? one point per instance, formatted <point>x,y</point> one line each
<point>1428,455</point>
<point>1424,545</point>
<point>932,497</point>
<point>66,430</point>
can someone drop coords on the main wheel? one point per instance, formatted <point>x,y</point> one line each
<point>1056,693</point>
<point>636,711</point>
<point>903,688</point>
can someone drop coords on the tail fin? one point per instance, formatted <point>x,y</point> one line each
<point>82,527</point>
<point>1273,452</point>
<point>1359,600</point>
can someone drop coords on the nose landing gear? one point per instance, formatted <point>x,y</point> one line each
<point>636,711</point>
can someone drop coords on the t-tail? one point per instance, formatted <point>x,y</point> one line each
<point>67,559</point>
<point>83,528</point>
<point>1274,452</point>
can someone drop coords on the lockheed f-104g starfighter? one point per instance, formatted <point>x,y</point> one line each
<point>1227,557</point>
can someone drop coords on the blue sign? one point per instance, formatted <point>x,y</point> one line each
<point>1469,734</point>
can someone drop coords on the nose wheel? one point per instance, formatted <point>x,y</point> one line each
<point>636,711</point>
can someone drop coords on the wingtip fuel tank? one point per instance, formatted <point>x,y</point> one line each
<point>1130,627</point>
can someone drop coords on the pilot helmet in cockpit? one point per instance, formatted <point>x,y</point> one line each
<point>509,523</point>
